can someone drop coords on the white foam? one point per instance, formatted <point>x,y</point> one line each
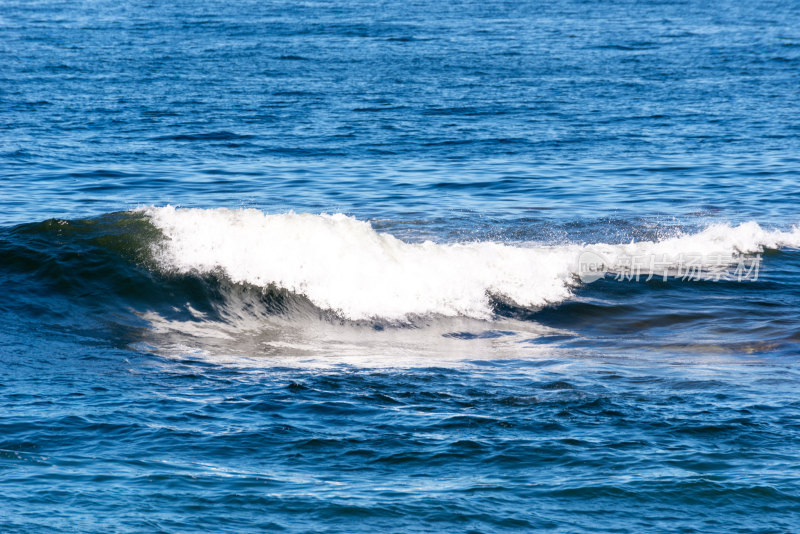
<point>342,264</point>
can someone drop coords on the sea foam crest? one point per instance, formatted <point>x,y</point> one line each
<point>342,264</point>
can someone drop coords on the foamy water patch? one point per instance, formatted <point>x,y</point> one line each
<point>342,264</point>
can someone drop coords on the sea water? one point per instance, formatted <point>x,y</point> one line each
<point>373,266</point>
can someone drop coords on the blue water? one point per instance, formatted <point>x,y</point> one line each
<point>224,371</point>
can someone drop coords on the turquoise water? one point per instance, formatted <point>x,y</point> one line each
<point>322,267</point>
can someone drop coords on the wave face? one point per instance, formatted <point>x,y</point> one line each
<point>342,264</point>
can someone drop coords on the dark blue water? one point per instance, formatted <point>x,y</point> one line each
<point>229,366</point>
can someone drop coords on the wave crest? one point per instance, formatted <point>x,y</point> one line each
<point>342,264</point>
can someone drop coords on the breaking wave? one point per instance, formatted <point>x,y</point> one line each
<point>342,264</point>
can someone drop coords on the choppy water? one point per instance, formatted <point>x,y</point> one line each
<point>321,266</point>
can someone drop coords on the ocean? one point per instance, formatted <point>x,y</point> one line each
<point>380,266</point>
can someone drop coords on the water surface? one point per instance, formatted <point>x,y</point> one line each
<point>191,338</point>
